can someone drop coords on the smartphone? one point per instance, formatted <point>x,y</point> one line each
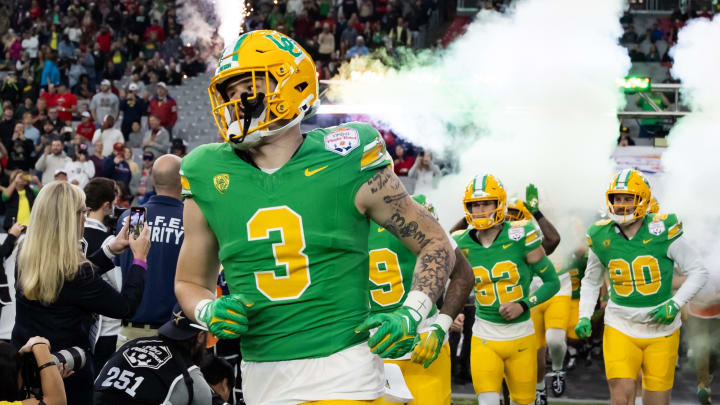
<point>137,220</point>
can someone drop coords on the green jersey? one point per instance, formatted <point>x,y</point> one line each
<point>640,270</point>
<point>576,269</point>
<point>501,272</point>
<point>293,241</point>
<point>391,270</point>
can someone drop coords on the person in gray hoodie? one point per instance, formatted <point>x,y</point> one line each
<point>52,159</point>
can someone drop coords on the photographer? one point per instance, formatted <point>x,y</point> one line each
<point>51,382</point>
<point>59,289</point>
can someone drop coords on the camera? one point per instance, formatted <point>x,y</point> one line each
<point>74,358</point>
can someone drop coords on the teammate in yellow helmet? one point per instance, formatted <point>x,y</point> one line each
<point>639,251</point>
<point>505,256</point>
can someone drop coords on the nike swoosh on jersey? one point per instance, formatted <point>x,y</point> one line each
<point>309,173</point>
<point>543,269</point>
<point>646,241</point>
<point>506,246</point>
<point>523,349</point>
<point>381,229</point>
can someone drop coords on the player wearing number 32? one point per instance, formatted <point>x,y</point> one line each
<point>505,256</point>
<point>639,251</point>
<point>286,214</point>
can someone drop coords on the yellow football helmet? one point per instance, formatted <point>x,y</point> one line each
<point>289,94</point>
<point>517,211</point>
<point>654,207</point>
<point>629,181</point>
<point>485,188</point>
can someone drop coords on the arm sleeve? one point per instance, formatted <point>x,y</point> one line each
<point>101,261</point>
<point>550,286</point>
<point>590,285</point>
<point>89,169</point>
<point>8,245</point>
<point>689,264</point>
<point>40,164</point>
<point>97,296</point>
<point>162,141</point>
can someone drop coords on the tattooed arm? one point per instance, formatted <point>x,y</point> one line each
<point>462,280</point>
<point>384,199</point>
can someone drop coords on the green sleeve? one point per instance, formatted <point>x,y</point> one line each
<point>551,283</point>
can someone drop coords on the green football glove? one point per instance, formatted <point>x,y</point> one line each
<point>665,313</point>
<point>531,198</point>
<point>225,317</point>
<point>583,329</point>
<point>428,347</point>
<point>396,332</point>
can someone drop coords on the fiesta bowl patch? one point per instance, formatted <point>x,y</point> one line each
<point>342,140</point>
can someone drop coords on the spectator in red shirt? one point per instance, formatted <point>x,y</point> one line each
<point>104,39</point>
<point>50,96</point>
<point>86,128</point>
<point>402,163</point>
<point>35,10</point>
<point>164,107</point>
<point>157,28</point>
<point>67,103</point>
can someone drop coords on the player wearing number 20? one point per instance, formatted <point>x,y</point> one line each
<point>639,251</point>
<point>286,214</point>
<point>505,256</point>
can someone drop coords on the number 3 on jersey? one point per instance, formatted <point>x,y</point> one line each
<point>385,271</point>
<point>288,253</point>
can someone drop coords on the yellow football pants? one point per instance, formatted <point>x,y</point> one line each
<point>626,356</point>
<point>341,402</point>
<point>514,360</point>
<point>428,386</point>
<point>573,319</point>
<point>551,314</point>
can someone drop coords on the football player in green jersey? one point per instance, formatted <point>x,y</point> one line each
<point>286,215</point>
<point>391,273</point>
<point>505,256</point>
<point>639,252</point>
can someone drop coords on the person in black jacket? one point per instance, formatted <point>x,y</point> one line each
<point>59,289</point>
<point>100,193</point>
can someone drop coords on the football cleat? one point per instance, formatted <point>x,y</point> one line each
<point>284,87</point>
<point>485,188</point>
<point>541,397</point>
<point>558,382</point>
<point>632,182</point>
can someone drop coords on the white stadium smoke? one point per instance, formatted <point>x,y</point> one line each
<point>690,184</point>
<point>529,95</point>
<point>209,23</point>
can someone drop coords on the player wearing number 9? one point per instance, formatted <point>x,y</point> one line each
<point>505,256</point>
<point>286,214</point>
<point>639,251</point>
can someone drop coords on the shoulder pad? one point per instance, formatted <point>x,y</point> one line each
<point>603,222</point>
<point>520,223</point>
<point>662,222</point>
